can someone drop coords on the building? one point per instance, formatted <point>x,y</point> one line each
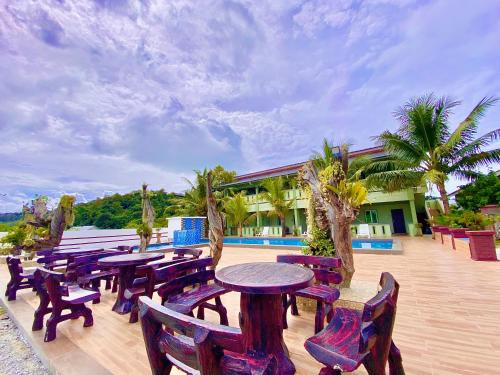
<point>386,213</point>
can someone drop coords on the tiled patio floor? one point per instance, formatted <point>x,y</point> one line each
<point>448,319</point>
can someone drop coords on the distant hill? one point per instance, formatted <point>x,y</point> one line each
<point>123,211</point>
<point>10,216</point>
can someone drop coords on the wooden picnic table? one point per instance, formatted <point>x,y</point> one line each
<point>261,286</point>
<point>127,264</point>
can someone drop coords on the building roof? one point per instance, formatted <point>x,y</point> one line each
<point>294,168</point>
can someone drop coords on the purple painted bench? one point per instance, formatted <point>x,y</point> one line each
<point>62,297</point>
<point>322,293</point>
<point>19,278</point>
<point>180,253</point>
<point>199,347</point>
<point>191,274</point>
<point>356,337</point>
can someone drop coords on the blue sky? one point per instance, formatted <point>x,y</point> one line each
<point>99,96</point>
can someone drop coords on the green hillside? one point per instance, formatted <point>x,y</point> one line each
<point>123,211</point>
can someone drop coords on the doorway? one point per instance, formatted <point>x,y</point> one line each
<point>398,221</point>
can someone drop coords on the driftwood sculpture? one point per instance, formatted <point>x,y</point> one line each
<point>215,224</point>
<point>45,229</point>
<point>336,205</point>
<point>145,231</point>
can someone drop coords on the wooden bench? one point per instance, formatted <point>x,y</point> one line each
<point>87,273</point>
<point>20,278</point>
<point>170,283</point>
<point>322,293</point>
<point>197,347</point>
<point>356,337</point>
<point>52,288</point>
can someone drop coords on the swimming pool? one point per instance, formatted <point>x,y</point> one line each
<point>360,245</point>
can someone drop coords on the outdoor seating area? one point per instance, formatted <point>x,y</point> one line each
<point>239,324</point>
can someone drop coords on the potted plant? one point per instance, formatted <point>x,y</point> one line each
<point>481,240</point>
<point>15,238</point>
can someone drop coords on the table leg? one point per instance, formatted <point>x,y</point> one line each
<point>122,304</point>
<point>262,327</point>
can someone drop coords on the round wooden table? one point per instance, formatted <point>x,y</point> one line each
<point>127,264</point>
<point>261,286</point>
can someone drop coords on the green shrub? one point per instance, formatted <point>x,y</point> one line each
<point>319,244</point>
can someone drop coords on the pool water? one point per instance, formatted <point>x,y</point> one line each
<point>365,244</point>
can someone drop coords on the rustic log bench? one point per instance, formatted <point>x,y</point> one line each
<point>61,296</point>
<point>199,347</point>
<point>355,337</point>
<point>19,278</point>
<point>323,293</point>
<point>194,276</point>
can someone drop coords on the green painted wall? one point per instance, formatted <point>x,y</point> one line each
<point>384,213</point>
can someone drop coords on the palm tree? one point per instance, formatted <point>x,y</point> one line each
<point>424,150</point>
<point>194,201</point>
<point>275,194</point>
<point>236,211</point>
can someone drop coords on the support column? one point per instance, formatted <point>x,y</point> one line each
<point>295,209</point>
<point>257,206</point>
<point>414,219</point>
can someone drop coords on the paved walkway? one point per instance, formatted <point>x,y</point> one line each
<point>448,319</point>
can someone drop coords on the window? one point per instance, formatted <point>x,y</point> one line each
<point>371,216</point>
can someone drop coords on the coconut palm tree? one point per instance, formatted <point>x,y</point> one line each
<point>275,194</point>
<point>194,200</point>
<point>424,150</point>
<point>145,230</point>
<point>236,211</point>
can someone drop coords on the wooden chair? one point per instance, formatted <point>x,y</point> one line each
<point>356,337</point>
<point>19,278</point>
<point>323,293</point>
<point>197,347</point>
<point>62,297</point>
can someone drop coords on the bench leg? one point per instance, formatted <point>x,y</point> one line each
<point>293,304</point>
<point>95,285</point>
<point>41,311</point>
<point>108,283</point>
<point>222,311</point>
<point>12,291</point>
<point>284,300</point>
<point>319,320</point>
<point>134,313</point>
<point>395,361</point>
<point>51,326</point>
<point>114,289</point>
<point>201,312</point>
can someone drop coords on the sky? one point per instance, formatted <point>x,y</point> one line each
<point>97,97</point>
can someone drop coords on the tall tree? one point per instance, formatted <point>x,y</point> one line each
<point>336,194</point>
<point>424,150</point>
<point>215,224</point>
<point>485,190</point>
<point>145,230</point>
<point>236,211</point>
<point>275,194</point>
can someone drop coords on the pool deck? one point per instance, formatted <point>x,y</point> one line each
<point>448,319</point>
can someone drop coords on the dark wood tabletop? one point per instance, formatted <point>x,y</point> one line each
<point>264,278</point>
<point>129,259</point>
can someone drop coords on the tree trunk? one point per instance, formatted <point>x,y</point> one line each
<point>283,226</point>
<point>240,230</point>
<point>444,197</point>
<point>215,225</point>
<point>343,248</point>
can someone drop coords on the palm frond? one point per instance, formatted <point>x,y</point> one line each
<point>400,147</point>
<point>394,180</point>
<point>467,129</point>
